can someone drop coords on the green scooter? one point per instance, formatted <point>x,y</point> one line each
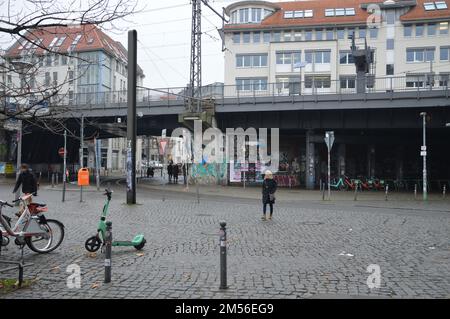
<point>94,243</point>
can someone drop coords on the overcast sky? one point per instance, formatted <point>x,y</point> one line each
<point>164,41</point>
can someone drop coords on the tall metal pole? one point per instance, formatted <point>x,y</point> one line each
<point>131,118</point>
<point>98,157</point>
<point>19,155</point>
<point>64,167</point>
<point>81,152</point>
<point>424,155</point>
<point>329,175</point>
<point>195,81</point>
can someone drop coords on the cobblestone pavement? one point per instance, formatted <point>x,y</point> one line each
<point>311,249</point>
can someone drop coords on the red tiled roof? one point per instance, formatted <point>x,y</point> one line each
<point>92,39</point>
<point>419,12</point>
<point>277,18</point>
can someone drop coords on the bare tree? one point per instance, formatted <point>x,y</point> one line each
<point>42,104</point>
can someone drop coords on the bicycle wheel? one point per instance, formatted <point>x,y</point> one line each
<point>46,244</point>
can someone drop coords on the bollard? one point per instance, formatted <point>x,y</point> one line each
<point>108,246</point>
<point>223,255</point>
<point>356,193</point>
<point>57,179</point>
<point>444,190</point>
<point>323,191</point>
<point>386,193</point>
<point>415,191</point>
<point>53,180</point>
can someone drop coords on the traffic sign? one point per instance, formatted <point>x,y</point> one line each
<point>423,153</point>
<point>329,139</point>
<point>162,147</point>
<point>61,151</point>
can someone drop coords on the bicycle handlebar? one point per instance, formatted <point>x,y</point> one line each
<point>3,203</point>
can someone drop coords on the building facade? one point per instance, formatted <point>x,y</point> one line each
<point>271,45</point>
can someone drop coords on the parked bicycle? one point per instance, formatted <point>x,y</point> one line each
<point>33,229</point>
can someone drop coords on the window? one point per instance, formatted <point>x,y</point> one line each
<point>256,14</point>
<point>47,79</point>
<point>346,57</point>
<point>420,55</point>
<point>350,11</point>
<point>390,44</point>
<point>351,33</point>
<point>347,82</point>
<point>373,33</point>
<point>287,36</point>
<point>329,12</point>
<point>297,36</point>
<point>419,30</point>
<point>318,57</point>
<point>389,69</point>
<point>48,60</point>
<point>407,30</point>
<point>319,35</point>
<point>243,15</point>
<point>236,38</point>
<point>362,32</point>
<point>329,34</point>
<point>266,37</point>
<point>443,28</point>
<point>308,35</point>
<point>277,36</point>
<point>256,37</point>
<point>318,82</point>
<point>437,5</point>
<point>288,14</point>
<point>56,59</point>
<point>309,13</point>
<point>70,75</point>
<point>60,41</point>
<point>429,6</point>
<point>234,17</point>
<point>390,17</point>
<point>284,58</point>
<point>443,79</point>
<point>251,60</point>
<point>55,78</point>
<point>414,81</point>
<point>445,54</point>
<point>251,84</point>
<point>246,37</point>
<point>339,12</point>
<point>298,14</point>
<point>52,44</point>
<point>340,34</point>
<point>431,29</point>
<point>64,60</point>
<point>441,5</point>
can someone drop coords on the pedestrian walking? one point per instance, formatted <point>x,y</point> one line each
<point>175,171</point>
<point>170,171</point>
<point>269,188</point>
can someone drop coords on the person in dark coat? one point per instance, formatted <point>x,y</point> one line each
<point>27,180</point>
<point>184,174</point>
<point>170,171</point>
<point>269,187</point>
<point>175,171</point>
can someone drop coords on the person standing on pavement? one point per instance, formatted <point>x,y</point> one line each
<point>170,171</point>
<point>184,174</point>
<point>269,187</point>
<point>175,171</point>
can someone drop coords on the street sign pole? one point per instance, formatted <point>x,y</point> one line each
<point>81,152</point>
<point>424,155</point>
<point>19,154</point>
<point>131,118</point>
<point>329,140</point>
<point>64,167</point>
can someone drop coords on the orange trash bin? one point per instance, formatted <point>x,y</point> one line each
<point>83,177</point>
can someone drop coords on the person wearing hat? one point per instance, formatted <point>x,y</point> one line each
<point>269,187</point>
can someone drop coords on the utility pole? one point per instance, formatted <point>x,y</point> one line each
<point>195,80</point>
<point>64,167</point>
<point>131,118</point>
<point>423,153</point>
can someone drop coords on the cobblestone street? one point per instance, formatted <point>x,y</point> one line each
<point>311,249</point>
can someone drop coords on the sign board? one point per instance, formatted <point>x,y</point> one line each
<point>2,168</point>
<point>9,168</point>
<point>329,139</point>
<point>162,147</point>
<point>423,153</point>
<point>423,148</point>
<point>61,151</point>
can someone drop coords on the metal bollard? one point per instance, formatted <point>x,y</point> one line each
<point>415,191</point>
<point>223,255</point>
<point>57,178</point>
<point>108,246</point>
<point>53,180</point>
<point>323,191</point>
<point>386,193</point>
<point>444,190</point>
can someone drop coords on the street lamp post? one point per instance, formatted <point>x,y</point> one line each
<point>424,155</point>
<point>300,65</point>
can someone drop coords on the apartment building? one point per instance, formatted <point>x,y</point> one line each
<point>71,65</point>
<point>272,45</point>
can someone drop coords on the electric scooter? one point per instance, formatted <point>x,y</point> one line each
<point>94,243</point>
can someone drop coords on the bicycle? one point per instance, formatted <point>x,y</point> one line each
<point>32,228</point>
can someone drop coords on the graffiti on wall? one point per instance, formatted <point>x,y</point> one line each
<point>208,173</point>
